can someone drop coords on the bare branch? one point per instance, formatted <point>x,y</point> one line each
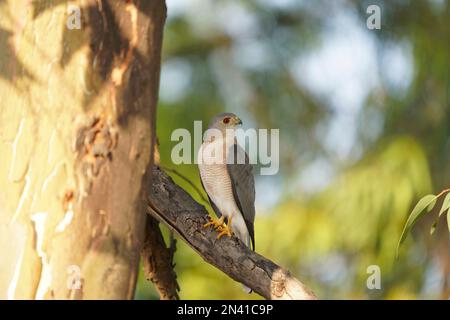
<point>158,261</point>
<point>173,206</point>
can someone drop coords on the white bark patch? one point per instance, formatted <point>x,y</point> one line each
<point>51,176</point>
<point>62,225</point>
<point>23,196</point>
<point>15,279</point>
<point>46,274</point>
<point>22,147</point>
<point>13,242</point>
<point>14,150</point>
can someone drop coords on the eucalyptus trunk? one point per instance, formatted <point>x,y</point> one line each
<point>78,89</point>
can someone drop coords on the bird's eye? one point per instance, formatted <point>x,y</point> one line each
<point>226,120</point>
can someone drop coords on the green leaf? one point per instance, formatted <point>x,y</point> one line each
<point>445,204</point>
<point>426,202</point>
<point>448,221</point>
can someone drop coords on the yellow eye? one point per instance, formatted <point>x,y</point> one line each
<point>226,120</point>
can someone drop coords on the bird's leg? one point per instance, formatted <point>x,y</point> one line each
<point>215,223</point>
<point>225,230</point>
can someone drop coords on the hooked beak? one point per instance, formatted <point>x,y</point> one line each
<point>237,121</point>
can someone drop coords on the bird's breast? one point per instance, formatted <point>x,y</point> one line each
<point>217,184</point>
<point>216,180</point>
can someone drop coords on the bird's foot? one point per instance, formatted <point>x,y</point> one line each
<point>225,230</point>
<point>217,224</point>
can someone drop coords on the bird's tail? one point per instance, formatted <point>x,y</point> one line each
<point>240,230</point>
<point>247,242</point>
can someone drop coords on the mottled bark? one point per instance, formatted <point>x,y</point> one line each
<point>173,206</point>
<point>77,122</point>
<point>158,261</point>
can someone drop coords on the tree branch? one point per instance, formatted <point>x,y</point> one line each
<point>158,261</point>
<point>173,206</point>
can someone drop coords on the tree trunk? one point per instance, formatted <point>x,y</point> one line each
<point>77,121</point>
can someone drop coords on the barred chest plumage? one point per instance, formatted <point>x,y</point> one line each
<point>216,179</point>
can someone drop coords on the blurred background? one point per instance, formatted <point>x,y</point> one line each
<point>364,121</point>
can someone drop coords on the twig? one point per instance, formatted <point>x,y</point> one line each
<point>199,192</point>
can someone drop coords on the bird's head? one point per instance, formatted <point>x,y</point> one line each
<point>225,121</point>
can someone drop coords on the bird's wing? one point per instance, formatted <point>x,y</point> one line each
<point>243,185</point>
<point>216,210</point>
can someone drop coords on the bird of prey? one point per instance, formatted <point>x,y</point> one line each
<point>228,179</point>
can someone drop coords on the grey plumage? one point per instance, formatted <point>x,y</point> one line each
<point>243,184</point>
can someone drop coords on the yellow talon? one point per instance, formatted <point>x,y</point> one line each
<point>225,230</point>
<point>215,223</point>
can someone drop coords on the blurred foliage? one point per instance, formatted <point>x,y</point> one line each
<point>253,58</point>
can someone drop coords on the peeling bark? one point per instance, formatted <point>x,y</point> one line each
<point>77,123</point>
<point>158,262</point>
<point>173,206</point>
